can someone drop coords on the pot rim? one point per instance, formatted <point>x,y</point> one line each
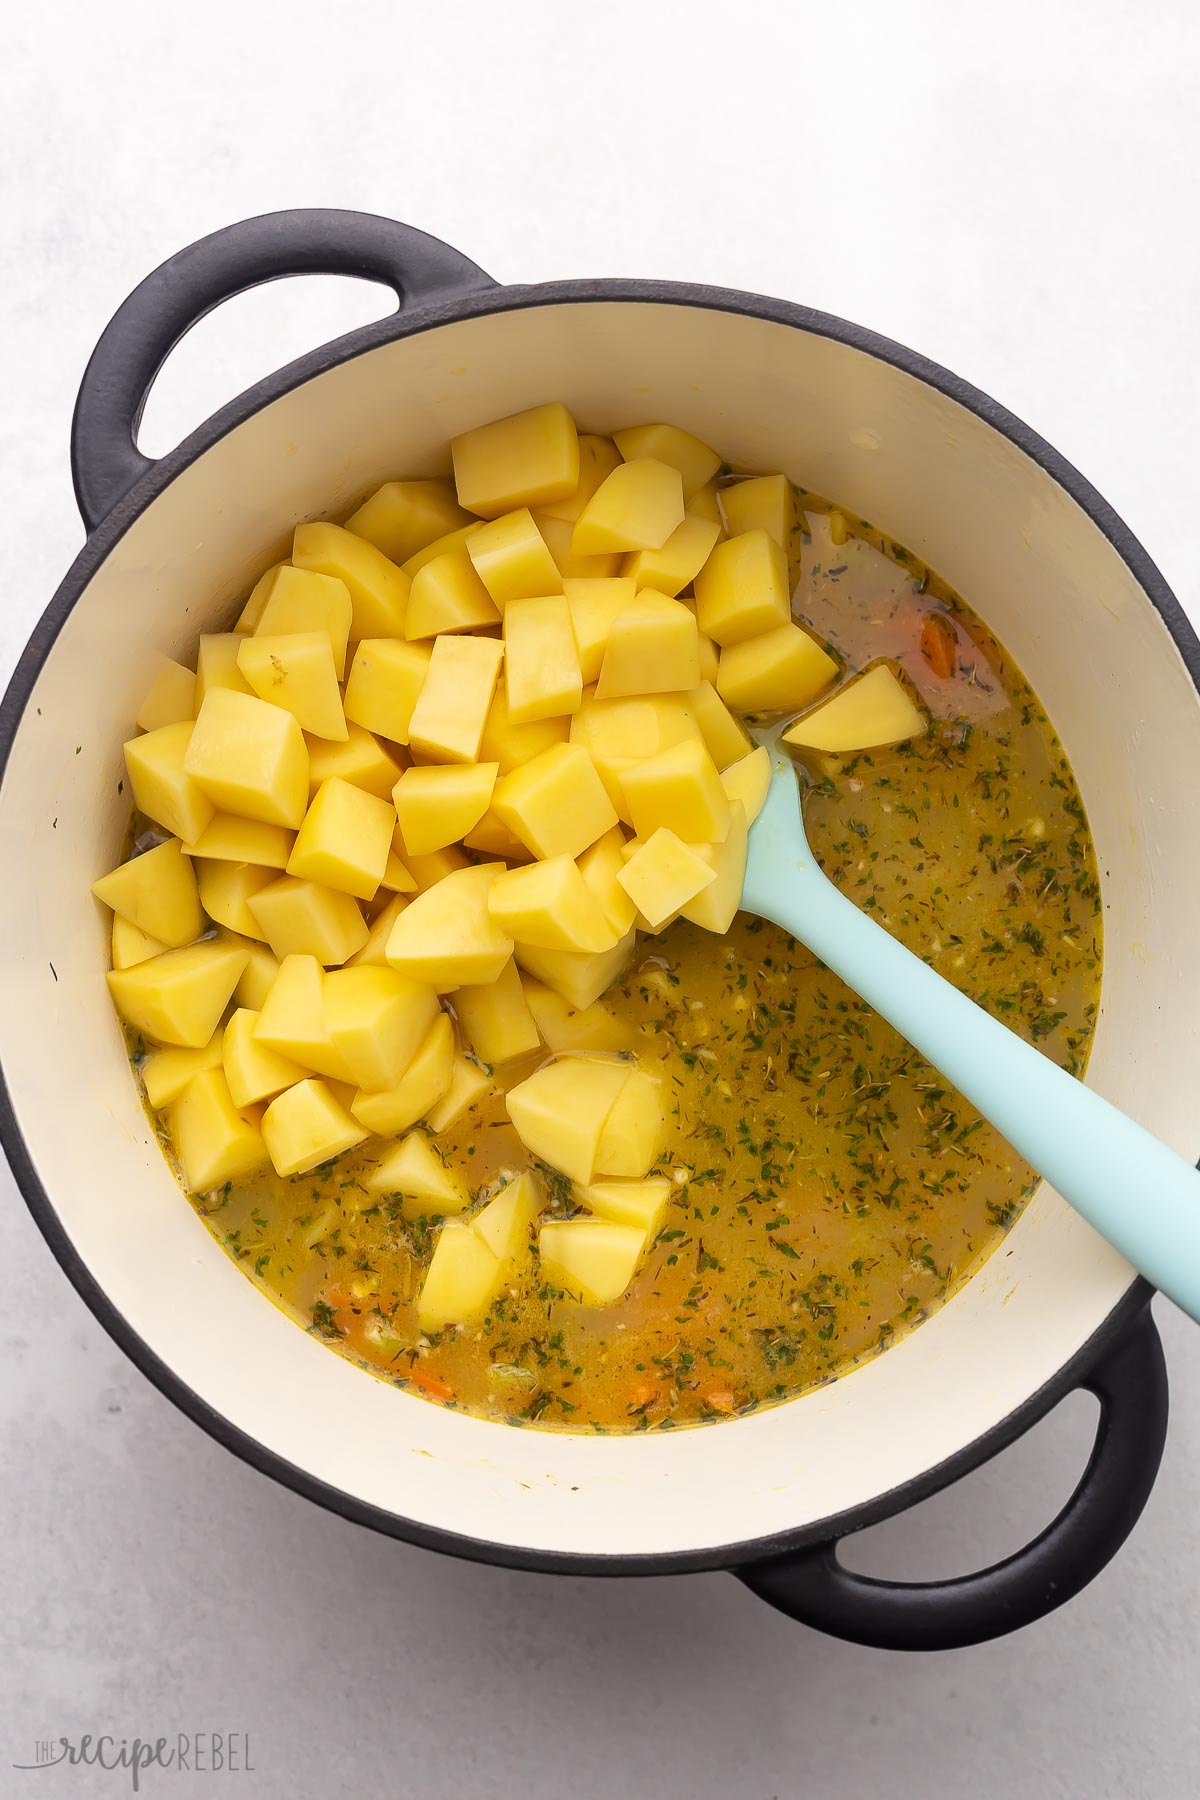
<point>98,546</point>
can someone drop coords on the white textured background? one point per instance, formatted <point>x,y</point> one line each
<point>1012,190</point>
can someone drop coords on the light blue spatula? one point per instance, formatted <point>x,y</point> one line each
<point>1138,1194</point>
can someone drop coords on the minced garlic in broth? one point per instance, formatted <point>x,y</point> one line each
<point>831,1189</point>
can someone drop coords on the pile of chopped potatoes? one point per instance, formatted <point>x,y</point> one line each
<point>455,756</point>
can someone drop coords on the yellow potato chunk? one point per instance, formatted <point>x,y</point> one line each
<point>162,788</point>
<point>401,517</point>
<point>528,459</point>
<point>156,892</point>
<point>541,664</point>
<point>378,589</point>
<point>495,1018</point>
<point>654,648</point>
<point>447,595</point>
<point>779,672</point>
<point>217,666</point>
<point>469,1084</point>
<point>361,760</point>
<point>452,542</point>
<point>414,1170</point>
<point>305,918</point>
<point>376,1021</point>
<point>598,457</point>
<point>216,1142</point>
<point>307,1125</point>
<point>681,788</point>
<point>397,878</point>
<point>226,838</point>
<point>372,952</point>
<point>642,1204</point>
<point>225,891</point>
<point>710,660</point>
<point>438,804</point>
<point>299,601</point>
<point>695,460</point>
<point>452,708</point>
<point>558,536</point>
<point>504,1223</point>
<point>252,611</point>
<point>635,1129</point>
<point>297,673</point>
<point>556,804</point>
<point>637,507</point>
<point>662,875</point>
<point>495,841</point>
<point>178,997</point>
<point>631,727</point>
<point>869,713</point>
<point>131,946</point>
<point>727,739</point>
<point>512,559</point>
<point>253,1070</point>
<point>600,866</point>
<point>447,937</point>
<point>292,1018</point>
<point>743,589</point>
<point>677,563</point>
<point>763,503</point>
<point>250,758</point>
<point>426,870</point>
<point>170,698</point>
<point>258,976</point>
<point>715,906</point>
<point>580,977</point>
<point>703,504</point>
<point>426,1081</point>
<point>593,1260</point>
<point>550,904</point>
<point>564,1027</point>
<point>593,606</point>
<point>748,780</point>
<point>463,1275</point>
<point>384,684</point>
<point>167,1072</point>
<point>559,1111</point>
<point>344,841</point>
<point>509,745</point>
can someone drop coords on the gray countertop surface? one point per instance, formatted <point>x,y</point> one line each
<point>1007,191</point>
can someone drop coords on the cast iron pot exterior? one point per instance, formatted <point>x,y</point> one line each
<point>796,1569</point>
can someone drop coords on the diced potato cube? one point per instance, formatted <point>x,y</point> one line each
<point>225,891</point>
<point>425,1082</point>
<point>662,875</point>
<point>170,698</point>
<point>469,1084</point>
<point>438,804</point>
<point>376,1021</point>
<point>378,589</point>
<point>297,673</point>
<point>703,504</point>
<point>450,544</point>
<point>167,1072</point>
<point>512,559</point>
<point>448,719</point>
<point>156,892</point>
<point>217,666</point>
<point>162,788</point>
<point>779,672</point>
<point>372,953</point>
<point>402,517</point>
<point>463,1275</point>
<point>292,1018</point>
<point>637,507</point>
<point>345,840</point>
<point>447,937</point>
<point>598,457</point>
<point>727,739</point>
<point>748,780</point>
<point>681,788</point>
<point>559,1111</point>
<point>593,606</point>
<point>226,838</point>
<point>216,1142</point>
<point>495,1019</point>
<point>743,589</point>
<point>710,660</point>
<point>250,758</point>
<point>563,1027</point>
<point>428,870</point>
<point>600,866</point>
<point>556,803</point>
<point>654,648</point>
<point>670,569</point>
<point>384,684</point>
<point>300,601</point>
<point>715,906</point>
<point>869,713</point>
<point>361,760</point>
<point>525,460</point>
<point>414,1170</point>
<point>305,918</point>
<point>131,946</point>
<point>307,1125</point>
<point>252,612</point>
<point>635,1129</point>
<point>558,536</point>
<point>252,1069</point>
<point>258,977</point>
<point>591,1259</point>
<point>541,664</point>
<point>510,746</point>
<point>633,726</point>
<point>580,977</point>
<point>639,1203</point>
<point>494,840</point>
<point>695,460</point>
<point>178,997</point>
<point>397,877</point>
<point>447,595</point>
<point>504,1223</point>
<point>551,905</point>
<point>763,503</point>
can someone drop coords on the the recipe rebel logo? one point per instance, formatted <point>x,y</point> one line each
<point>198,1753</point>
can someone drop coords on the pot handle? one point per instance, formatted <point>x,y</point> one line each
<point>812,1586</point>
<point>105,459</point>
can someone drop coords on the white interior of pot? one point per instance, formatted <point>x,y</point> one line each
<point>947,485</point>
